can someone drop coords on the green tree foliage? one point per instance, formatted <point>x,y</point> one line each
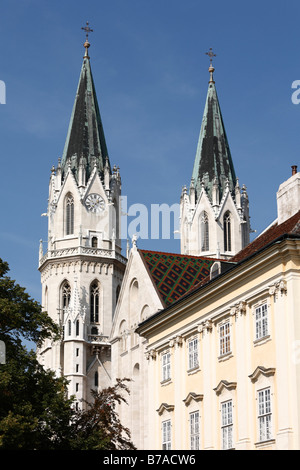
<point>35,412</point>
<point>34,409</point>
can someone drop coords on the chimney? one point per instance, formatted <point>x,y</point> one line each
<point>294,169</point>
<point>288,197</point>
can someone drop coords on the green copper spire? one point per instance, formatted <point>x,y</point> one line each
<point>213,163</point>
<point>85,138</point>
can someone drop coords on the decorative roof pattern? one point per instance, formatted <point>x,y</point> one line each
<point>173,274</point>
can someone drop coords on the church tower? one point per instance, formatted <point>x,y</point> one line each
<point>82,269</point>
<point>214,212</point>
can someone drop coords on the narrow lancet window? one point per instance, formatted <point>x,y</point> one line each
<point>94,302</point>
<point>69,214</point>
<point>204,230</point>
<point>227,231</point>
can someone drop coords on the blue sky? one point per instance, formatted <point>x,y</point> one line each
<point>151,75</point>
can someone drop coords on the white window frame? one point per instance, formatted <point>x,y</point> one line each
<point>194,421</point>
<point>264,414</point>
<point>225,338</point>
<point>193,353</point>
<point>261,313</point>
<point>166,434</point>
<point>166,366</point>
<point>227,424</point>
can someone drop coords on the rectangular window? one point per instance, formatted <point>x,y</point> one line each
<point>194,431</point>
<point>264,414</point>
<point>193,353</point>
<point>166,435</point>
<point>261,321</point>
<point>227,425</point>
<point>166,366</point>
<point>225,338</point>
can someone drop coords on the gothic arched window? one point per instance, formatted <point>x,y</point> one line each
<point>94,302</point>
<point>94,242</point>
<point>204,231</point>
<point>227,231</point>
<point>69,206</point>
<point>66,295</point>
<point>69,327</point>
<point>77,327</point>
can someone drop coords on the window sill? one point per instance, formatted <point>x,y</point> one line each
<point>165,382</point>
<point>193,370</point>
<point>262,340</point>
<point>266,443</point>
<point>225,357</point>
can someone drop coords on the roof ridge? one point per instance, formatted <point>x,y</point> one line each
<point>182,255</point>
<point>271,233</point>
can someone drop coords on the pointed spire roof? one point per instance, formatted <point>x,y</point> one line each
<point>85,136</point>
<point>213,163</point>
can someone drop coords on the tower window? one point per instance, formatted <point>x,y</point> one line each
<point>77,328</point>
<point>94,302</point>
<point>227,231</point>
<point>66,295</point>
<point>69,214</point>
<point>94,242</point>
<point>96,379</point>
<point>204,231</point>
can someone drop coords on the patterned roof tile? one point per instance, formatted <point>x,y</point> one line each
<point>174,274</point>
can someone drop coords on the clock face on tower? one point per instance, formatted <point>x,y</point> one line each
<point>94,203</point>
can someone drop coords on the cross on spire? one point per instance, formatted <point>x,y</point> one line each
<point>211,55</point>
<point>87,30</point>
<point>211,68</point>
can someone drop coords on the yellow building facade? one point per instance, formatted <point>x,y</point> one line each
<point>224,360</point>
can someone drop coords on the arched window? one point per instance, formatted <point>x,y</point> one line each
<point>69,205</point>
<point>66,295</point>
<point>227,231</point>
<point>94,302</point>
<point>204,231</point>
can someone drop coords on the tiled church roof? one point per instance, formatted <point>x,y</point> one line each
<point>173,274</point>
<point>290,226</point>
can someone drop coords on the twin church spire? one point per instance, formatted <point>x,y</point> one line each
<point>213,166</point>
<point>85,143</point>
<point>214,219</point>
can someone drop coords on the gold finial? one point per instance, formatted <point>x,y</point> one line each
<point>211,68</point>
<point>87,30</point>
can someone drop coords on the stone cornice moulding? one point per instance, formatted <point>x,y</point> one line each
<point>260,370</point>
<point>192,396</point>
<point>165,407</point>
<point>224,384</point>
